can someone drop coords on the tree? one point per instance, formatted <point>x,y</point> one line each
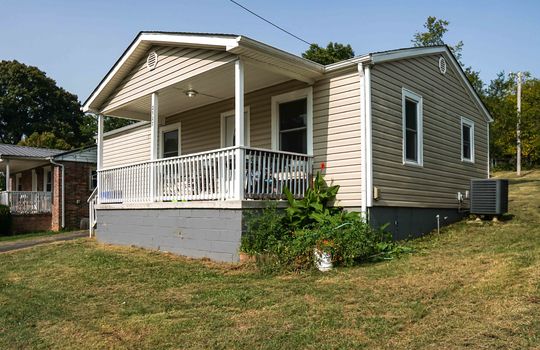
<point>436,29</point>
<point>32,102</point>
<point>89,124</point>
<point>501,101</point>
<point>45,140</point>
<point>334,52</point>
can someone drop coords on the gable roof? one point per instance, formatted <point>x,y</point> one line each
<point>242,45</point>
<point>15,151</point>
<point>235,44</point>
<point>411,52</point>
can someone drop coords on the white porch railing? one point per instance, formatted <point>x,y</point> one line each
<point>27,202</point>
<point>208,175</point>
<point>92,217</point>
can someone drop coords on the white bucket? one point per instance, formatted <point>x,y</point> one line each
<point>323,260</point>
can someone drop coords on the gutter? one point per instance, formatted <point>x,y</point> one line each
<point>63,210</point>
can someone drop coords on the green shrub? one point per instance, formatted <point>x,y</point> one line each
<point>286,240</point>
<point>314,207</point>
<point>5,221</point>
<point>263,230</point>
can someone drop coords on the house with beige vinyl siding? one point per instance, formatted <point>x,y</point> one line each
<point>224,123</point>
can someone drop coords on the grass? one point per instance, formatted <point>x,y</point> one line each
<point>476,285</point>
<point>25,236</point>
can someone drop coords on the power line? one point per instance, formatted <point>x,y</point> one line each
<point>269,22</point>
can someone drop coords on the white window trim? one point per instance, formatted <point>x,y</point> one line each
<point>287,97</point>
<point>419,122</point>
<point>34,180</point>
<point>247,122</point>
<point>167,128</point>
<point>45,170</point>
<point>469,123</point>
<point>17,181</point>
<point>90,178</point>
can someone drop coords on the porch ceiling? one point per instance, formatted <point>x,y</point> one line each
<point>18,165</point>
<point>212,86</point>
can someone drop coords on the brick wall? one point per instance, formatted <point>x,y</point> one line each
<point>31,223</point>
<point>56,220</point>
<point>77,191</point>
<point>77,182</point>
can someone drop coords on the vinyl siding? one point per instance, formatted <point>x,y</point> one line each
<point>337,134</point>
<point>445,101</point>
<point>127,147</point>
<point>336,130</point>
<point>201,127</point>
<point>175,64</point>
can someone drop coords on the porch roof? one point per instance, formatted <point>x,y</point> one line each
<point>22,158</point>
<point>269,57</point>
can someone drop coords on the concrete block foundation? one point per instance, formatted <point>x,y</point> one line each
<point>197,233</point>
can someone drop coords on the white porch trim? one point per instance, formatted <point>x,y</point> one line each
<point>239,126</point>
<point>306,93</point>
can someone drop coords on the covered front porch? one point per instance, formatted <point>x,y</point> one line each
<point>232,173</point>
<point>260,117</point>
<point>28,175</point>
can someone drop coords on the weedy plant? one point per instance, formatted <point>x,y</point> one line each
<point>286,239</point>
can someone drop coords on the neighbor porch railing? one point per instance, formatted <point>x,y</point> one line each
<point>211,175</point>
<point>27,202</point>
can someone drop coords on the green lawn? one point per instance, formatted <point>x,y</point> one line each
<point>474,285</point>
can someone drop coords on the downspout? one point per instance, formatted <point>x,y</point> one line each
<point>62,166</point>
<point>363,172</point>
<point>364,70</point>
<point>369,138</point>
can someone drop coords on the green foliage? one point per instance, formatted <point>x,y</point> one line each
<point>263,230</point>
<point>501,100</point>
<point>434,36</point>
<point>32,102</point>
<point>5,221</point>
<point>286,240</point>
<point>45,140</point>
<point>334,52</point>
<point>314,207</point>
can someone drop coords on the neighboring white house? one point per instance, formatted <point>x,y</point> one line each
<point>226,122</point>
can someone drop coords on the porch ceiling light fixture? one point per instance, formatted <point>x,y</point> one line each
<point>191,93</point>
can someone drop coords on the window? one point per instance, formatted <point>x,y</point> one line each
<point>170,140</point>
<point>467,140</point>
<point>18,182</point>
<point>92,181</point>
<point>292,121</point>
<point>412,128</point>
<point>47,179</point>
<point>228,128</point>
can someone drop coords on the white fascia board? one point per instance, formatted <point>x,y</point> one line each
<point>196,40</point>
<point>227,43</point>
<point>347,63</point>
<point>248,43</point>
<point>406,53</point>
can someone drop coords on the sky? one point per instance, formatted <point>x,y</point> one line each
<point>76,42</point>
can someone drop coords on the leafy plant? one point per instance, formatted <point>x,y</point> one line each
<point>5,221</point>
<point>263,230</point>
<point>285,240</point>
<point>314,207</point>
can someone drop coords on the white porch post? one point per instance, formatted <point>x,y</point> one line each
<point>154,135</point>
<point>99,153</point>
<point>8,181</point>
<point>239,127</point>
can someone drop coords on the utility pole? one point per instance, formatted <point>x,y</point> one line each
<point>518,126</point>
